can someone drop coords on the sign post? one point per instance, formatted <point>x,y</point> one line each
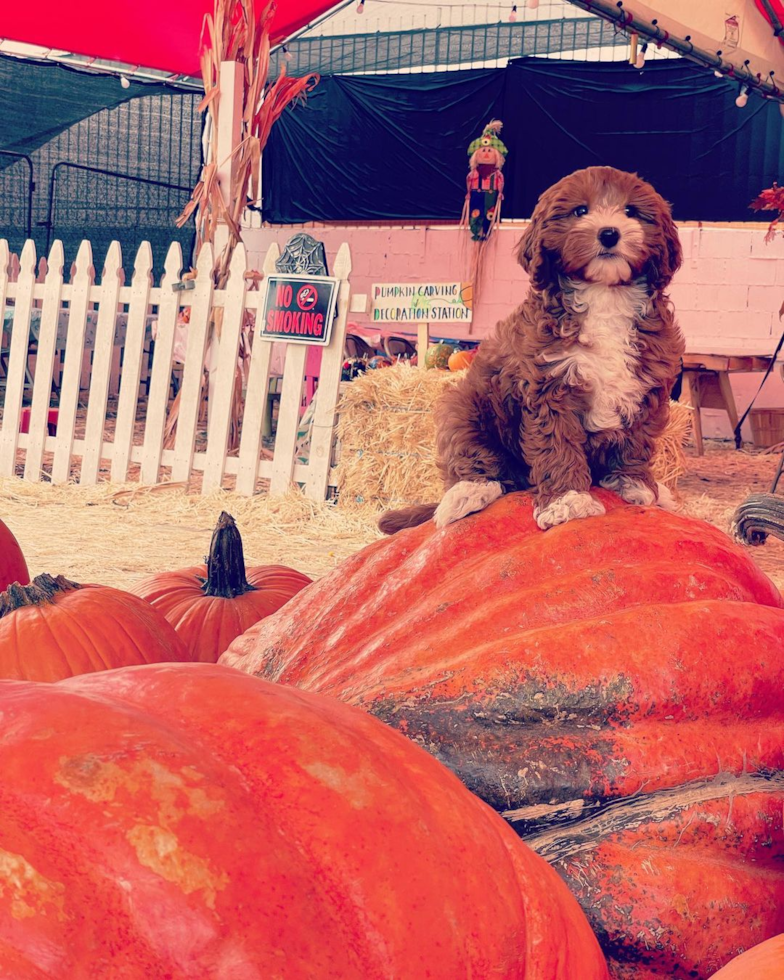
<point>423,342</point>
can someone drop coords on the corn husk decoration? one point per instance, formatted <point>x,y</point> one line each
<point>238,30</point>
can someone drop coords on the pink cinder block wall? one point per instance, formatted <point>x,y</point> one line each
<point>727,294</point>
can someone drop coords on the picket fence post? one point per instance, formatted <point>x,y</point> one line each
<point>323,430</point>
<point>82,277</point>
<point>102,366</point>
<point>17,361</point>
<point>135,332</point>
<point>193,375</point>
<point>256,395</point>
<point>44,363</point>
<point>222,392</point>
<point>160,377</point>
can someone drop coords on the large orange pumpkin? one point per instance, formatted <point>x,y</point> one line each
<point>763,962</point>
<point>13,567</point>
<point>187,821</point>
<point>54,628</point>
<point>613,686</point>
<point>209,605</point>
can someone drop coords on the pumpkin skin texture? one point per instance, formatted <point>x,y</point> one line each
<point>53,629</point>
<point>198,823</point>
<point>763,962</point>
<point>461,360</point>
<point>613,686</point>
<point>13,567</point>
<point>209,605</point>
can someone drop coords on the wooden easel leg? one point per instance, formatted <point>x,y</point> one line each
<point>728,398</point>
<point>691,383</point>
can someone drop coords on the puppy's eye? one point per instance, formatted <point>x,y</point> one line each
<point>631,211</point>
<point>580,211</point>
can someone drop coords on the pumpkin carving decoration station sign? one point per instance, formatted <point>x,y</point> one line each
<point>299,309</point>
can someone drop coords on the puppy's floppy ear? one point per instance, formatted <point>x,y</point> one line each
<point>537,261</point>
<point>663,266</point>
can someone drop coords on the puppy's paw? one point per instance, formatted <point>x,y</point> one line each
<point>631,490</point>
<point>568,507</point>
<point>666,500</point>
<point>465,498</point>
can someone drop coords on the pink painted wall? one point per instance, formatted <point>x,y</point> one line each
<point>727,293</point>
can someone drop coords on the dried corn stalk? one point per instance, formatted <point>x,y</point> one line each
<point>235,32</point>
<point>238,30</point>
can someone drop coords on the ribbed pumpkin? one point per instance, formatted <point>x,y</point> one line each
<point>763,962</point>
<point>614,686</point>
<point>54,628</point>
<point>13,567</point>
<point>209,605</point>
<point>187,821</point>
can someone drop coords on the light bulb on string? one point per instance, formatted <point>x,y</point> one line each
<point>513,14</point>
<point>361,7</point>
<point>532,4</point>
<point>743,97</point>
<point>286,53</point>
<point>640,62</point>
<point>718,74</point>
<point>124,82</point>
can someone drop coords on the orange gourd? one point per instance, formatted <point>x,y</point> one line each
<point>13,567</point>
<point>209,605</point>
<point>613,686</point>
<point>461,360</point>
<point>54,628</point>
<point>763,962</point>
<point>188,821</point>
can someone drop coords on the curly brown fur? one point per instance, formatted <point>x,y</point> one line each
<point>570,391</point>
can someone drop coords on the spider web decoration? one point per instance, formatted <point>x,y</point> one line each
<point>303,255</point>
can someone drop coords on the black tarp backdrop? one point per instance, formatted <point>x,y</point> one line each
<point>394,147</point>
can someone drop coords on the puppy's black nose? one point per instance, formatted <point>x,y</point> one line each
<point>609,237</point>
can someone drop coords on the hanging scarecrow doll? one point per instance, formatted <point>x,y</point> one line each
<point>485,191</point>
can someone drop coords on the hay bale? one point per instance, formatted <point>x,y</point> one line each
<point>387,438</point>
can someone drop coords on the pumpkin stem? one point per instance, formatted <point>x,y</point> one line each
<point>43,589</point>
<point>226,561</point>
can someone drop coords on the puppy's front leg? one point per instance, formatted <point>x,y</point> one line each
<point>553,443</point>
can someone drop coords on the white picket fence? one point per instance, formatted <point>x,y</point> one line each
<point>53,457</point>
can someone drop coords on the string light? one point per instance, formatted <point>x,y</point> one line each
<point>513,14</point>
<point>532,4</point>
<point>361,7</point>
<point>286,53</point>
<point>640,62</point>
<point>124,82</point>
<point>743,98</point>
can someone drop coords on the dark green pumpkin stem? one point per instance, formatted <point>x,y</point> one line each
<point>43,589</point>
<point>226,561</point>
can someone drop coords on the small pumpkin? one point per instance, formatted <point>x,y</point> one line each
<point>762,962</point>
<point>461,360</point>
<point>614,687</point>
<point>437,356</point>
<point>54,628</point>
<point>188,821</point>
<point>209,605</point>
<point>13,567</point>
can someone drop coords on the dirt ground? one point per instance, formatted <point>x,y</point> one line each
<point>115,536</point>
<point>714,484</point>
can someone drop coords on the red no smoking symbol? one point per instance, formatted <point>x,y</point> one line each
<point>307,297</point>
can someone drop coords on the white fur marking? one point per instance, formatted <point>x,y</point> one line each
<point>635,492</point>
<point>605,359</point>
<point>573,504</point>
<point>631,490</point>
<point>465,498</point>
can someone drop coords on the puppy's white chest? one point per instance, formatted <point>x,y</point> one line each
<point>604,362</point>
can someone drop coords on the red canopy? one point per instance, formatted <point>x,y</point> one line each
<point>161,34</point>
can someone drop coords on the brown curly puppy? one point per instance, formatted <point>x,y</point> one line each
<point>573,388</point>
